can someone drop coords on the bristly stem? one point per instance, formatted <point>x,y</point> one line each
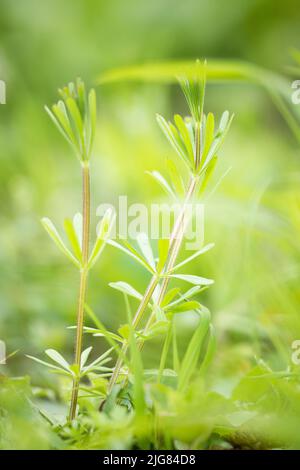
<point>138,315</point>
<point>83,283</point>
<point>175,243</point>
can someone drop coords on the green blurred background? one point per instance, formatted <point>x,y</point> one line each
<point>253,217</point>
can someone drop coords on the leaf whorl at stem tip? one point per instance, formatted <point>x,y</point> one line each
<point>75,117</point>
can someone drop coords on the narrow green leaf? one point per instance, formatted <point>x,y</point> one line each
<point>157,329</point>
<point>162,182</point>
<point>169,130</point>
<point>210,351</point>
<point>77,119</point>
<point>103,333</point>
<point>93,117</point>
<point>132,253</point>
<point>170,295</point>
<point>192,354</point>
<point>186,295</point>
<point>146,249</point>
<point>58,358</point>
<point>103,231</point>
<point>47,364</point>
<point>184,307</point>
<point>208,174</point>
<point>197,280</point>
<point>185,136</point>
<point>101,360</point>
<point>59,127</point>
<point>84,356</point>
<point>51,230</point>
<point>72,236</point>
<point>59,110</point>
<point>195,255</point>
<point>176,179</point>
<point>209,135</point>
<point>80,88</point>
<point>126,289</point>
<point>77,223</point>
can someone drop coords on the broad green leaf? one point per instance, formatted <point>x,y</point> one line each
<point>51,230</point>
<point>197,280</point>
<point>195,255</point>
<point>162,182</point>
<point>126,289</point>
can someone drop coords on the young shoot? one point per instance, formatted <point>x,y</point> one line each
<point>75,117</point>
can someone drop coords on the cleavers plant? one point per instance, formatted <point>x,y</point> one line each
<point>75,117</point>
<point>196,140</point>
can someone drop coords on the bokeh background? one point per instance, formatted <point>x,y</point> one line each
<point>253,217</point>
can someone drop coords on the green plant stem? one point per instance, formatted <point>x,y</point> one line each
<point>179,227</point>
<point>175,242</point>
<point>138,315</point>
<point>83,284</point>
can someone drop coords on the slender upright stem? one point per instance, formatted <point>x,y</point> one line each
<point>179,227</point>
<point>83,283</point>
<point>138,315</point>
<point>174,247</point>
<point>175,242</point>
